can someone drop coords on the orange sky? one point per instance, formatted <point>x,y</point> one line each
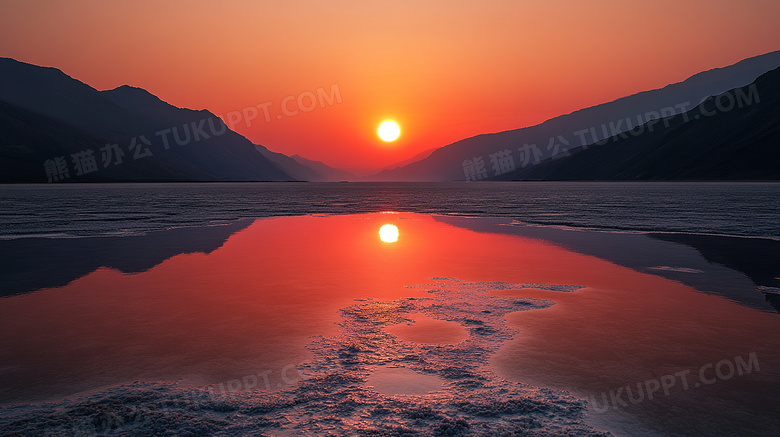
<point>443,70</point>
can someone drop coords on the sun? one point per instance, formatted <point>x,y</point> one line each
<point>388,233</point>
<point>389,131</point>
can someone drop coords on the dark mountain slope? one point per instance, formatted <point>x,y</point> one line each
<point>204,149</point>
<point>733,136</point>
<point>446,163</point>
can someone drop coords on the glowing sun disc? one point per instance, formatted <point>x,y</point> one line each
<point>388,233</point>
<point>389,131</point>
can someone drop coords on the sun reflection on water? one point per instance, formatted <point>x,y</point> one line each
<point>388,233</point>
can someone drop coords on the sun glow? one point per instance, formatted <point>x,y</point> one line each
<point>388,233</point>
<point>389,131</point>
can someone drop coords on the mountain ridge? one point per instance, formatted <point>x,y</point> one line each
<point>153,140</point>
<point>56,114</point>
<point>447,163</point>
<point>732,136</point>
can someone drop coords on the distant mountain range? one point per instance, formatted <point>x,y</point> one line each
<point>732,136</point>
<point>56,128</point>
<point>306,169</point>
<point>471,158</point>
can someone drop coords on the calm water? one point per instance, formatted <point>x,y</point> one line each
<point>315,324</point>
<point>745,209</point>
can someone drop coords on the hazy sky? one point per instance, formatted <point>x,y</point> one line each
<point>443,70</point>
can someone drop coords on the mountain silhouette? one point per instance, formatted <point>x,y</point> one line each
<point>579,127</point>
<point>305,169</point>
<point>328,173</point>
<point>50,120</point>
<point>732,136</point>
<point>47,114</point>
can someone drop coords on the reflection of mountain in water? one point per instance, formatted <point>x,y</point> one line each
<point>756,258</point>
<point>731,267</point>
<point>30,264</point>
<point>774,300</point>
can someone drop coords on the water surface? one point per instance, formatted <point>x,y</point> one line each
<point>533,316</point>
<point>726,208</point>
<point>522,333</point>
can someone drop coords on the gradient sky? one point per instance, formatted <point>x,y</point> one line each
<point>443,70</point>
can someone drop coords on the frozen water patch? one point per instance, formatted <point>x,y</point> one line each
<point>338,393</point>
<point>534,288</point>
<point>676,269</point>
<point>395,381</point>
<point>551,287</point>
<point>424,329</point>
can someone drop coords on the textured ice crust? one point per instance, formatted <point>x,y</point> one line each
<point>333,397</point>
<point>676,269</point>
